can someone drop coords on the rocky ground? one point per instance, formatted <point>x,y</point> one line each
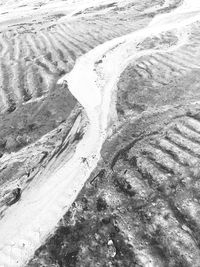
<point>40,42</point>
<point>140,206</point>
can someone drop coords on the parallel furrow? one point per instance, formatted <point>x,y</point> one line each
<point>9,45</point>
<point>173,64</point>
<point>3,95</point>
<point>32,81</point>
<point>165,162</point>
<point>181,61</point>
<point>17,82</point>
<point>94,32</point>
<point>21,73</point>
<point>69,56</point>
<point>157,60</point>
<point>157,72</point>
<point>17,48</point>
<point>188,133</point>
<point>39,43</point>
<point>32,45</point>
<point>183,143</point>
<point>111,30</point>
<point>176,153</point>
<point>193,124</point>
<point>192,60</point>
<point>68,36</point>
<point>75,34</point>
<point>51,58</point>
<point>40,60</point>
<point>74,50</point>
<point>152,173</point>
<point>140,68</point>
<point>66,50</point>
<point>8,91</point>
<point>189,53</point>
<point>5,48</point>
<point>88,35</point>
<point>23,82</point>
<point>57,52</point>
<point>159,66</point>
<point>103,33</point>
<point>138,73</point>
<point>45,81</point>
<point>76,45</point>
<point>26,51</point>
<point>36,82</point>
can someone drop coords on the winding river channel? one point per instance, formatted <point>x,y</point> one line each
<point>93,82</point>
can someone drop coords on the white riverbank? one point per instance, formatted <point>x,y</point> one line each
<point>28,222</point>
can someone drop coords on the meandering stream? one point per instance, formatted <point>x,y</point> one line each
<point>92,81</point>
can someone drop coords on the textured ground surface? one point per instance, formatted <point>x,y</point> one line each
<point>143,208</point>
<point>39,42</point>
<point>140,206</point>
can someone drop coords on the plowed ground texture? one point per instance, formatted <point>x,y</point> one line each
<point>35,52</point>
<point>130,212</point>
<point>141,206</point>
<point>36,49</point>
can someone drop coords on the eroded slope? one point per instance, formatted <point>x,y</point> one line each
<point>33,57</point>
<point>39,42</point>
<point>140,207</point>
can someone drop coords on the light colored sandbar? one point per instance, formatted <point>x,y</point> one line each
<point>92,81</point>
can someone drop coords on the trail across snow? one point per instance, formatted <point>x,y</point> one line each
<point>92,81</point>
